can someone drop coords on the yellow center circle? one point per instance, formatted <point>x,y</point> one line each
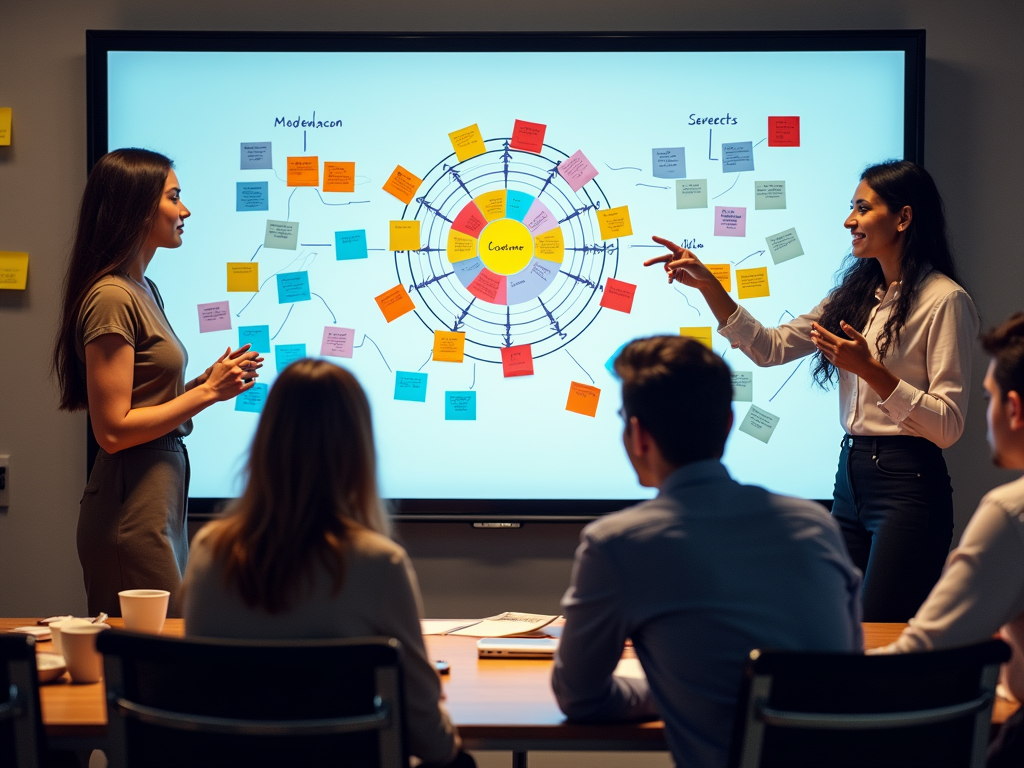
<point>505,246</point>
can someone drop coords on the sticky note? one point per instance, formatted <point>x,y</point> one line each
<point>743,386</point>
<point>13,270</point>
<point>517,360</point>
<point>402,184</point>
<point>760,424</point>
<point>252,196</point>
<point>609,364</point>
<point>243,276</point>
<point>691,193</point>
<point>722,273</point>
<point>350,244</point>
<point>618,295</point>
<point>404,235</point>
<point>339,177</point>
<point>738,156</point>
<point>282,234</point>
<point>304,171</point>
<point>467,142</point>
<point>337,342</point>
<point>394,303</point>
<point>492,204</point>
<point>215,316</point>
<point>5,126</point>
<point>730,222</point>
<point>257,335</point>
<point>577,170</point>
<point>411,386</point>
<point>701,333</point>
<point>256,155</point>
<point>752,283</point>
<point>583,399</point>
<point>286,354</point>
<point>292,287</point>
<point>784,246</point>
<point>769,195</point>
<point>784,131</point>
<point>252,400</point>
<point>449,346</point>
<point>528,137</point>
<point>614,222</point>
<point>460,406</point>
<point>669,163</point>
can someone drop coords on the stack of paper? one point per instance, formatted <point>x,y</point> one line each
<point>506,624</point>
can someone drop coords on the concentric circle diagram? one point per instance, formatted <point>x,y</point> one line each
<point>510,254</point>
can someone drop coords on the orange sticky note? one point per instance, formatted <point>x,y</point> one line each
<point>722,273</point>
<point>402,184</point>
<point>13,270</point>
<point>339,177</point>
<point>517,360</point>
<point>752,283</point>
<point>394,303</point>
<point>701,333</point>
<point>449,346</point>
<point>467,142</point>
<point>614,222</point>
<point>583,399</point>
<point>5,126</point>
<point>404,235</point>
<point>618,295</point>
<point>243,276</point>
<point>304,171</point>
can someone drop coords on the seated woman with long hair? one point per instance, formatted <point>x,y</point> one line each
<point>305,553</point>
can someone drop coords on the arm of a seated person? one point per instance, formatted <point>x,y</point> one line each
<point>591,645</point>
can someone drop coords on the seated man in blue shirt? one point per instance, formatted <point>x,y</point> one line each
<point>698,576</point>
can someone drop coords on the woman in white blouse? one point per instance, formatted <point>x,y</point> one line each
<point>896,333</point>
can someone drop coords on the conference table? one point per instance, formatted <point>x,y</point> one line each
<point>498,704</point>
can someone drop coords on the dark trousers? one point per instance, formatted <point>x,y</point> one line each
<point>894,502</point>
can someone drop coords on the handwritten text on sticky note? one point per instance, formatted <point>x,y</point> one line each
<point>752,283</point>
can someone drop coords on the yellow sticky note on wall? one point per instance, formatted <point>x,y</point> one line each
<point>404,235</point>
<point>722,273</point>
<point>467,142</point>
<point>13,270</point>
<point>243,276</point>
<point>5,126</point>
<point>614,222</point>
<point>449,346</point>
<point>752,283</point>
<point>701,333</point>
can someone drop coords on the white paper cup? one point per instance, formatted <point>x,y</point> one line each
<point>85,663</point>
<point>144,610</point>
<point>57,626</point>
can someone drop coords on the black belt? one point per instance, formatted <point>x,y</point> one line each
<point>862,443</point>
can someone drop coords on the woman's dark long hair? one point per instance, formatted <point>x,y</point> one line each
<point>119,205</point>
<point>925,246</point>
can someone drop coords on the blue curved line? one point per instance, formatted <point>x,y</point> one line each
<point>581,367</point>
<point>350,202</point>
<point>283,322</point>
<point>333,318</point>
<point>787,380</point>
<point>426,361</point>
<point>687,300</point>
<point>257,251</point>
<point>733,185</point>
<point>368,339</point>
<point>624,168</point>
<point>652,186</point>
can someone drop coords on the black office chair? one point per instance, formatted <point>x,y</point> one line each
<point>804,710</point>
<point>20,719</point>
<point>199,702</point>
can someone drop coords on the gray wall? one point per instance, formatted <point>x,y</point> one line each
<point>974,114</point>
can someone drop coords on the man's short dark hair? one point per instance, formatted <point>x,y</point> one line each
<point>681,392</point>
<point>1006,344</point>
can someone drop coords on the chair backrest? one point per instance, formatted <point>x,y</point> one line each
<point>21,726</point>
<point>842,709</point>
<point>195,702</point>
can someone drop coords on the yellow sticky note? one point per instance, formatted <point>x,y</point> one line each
<point>402,184</point>
<point>614,222</point>
<point>243,276</point>
<point>722,273</point>
<point>304,171</point>
<point>583,399</point>
<point>449,346</point>
<point>405,235</point>
<point>752,283</point>
<point>701,333</point>
<point>5,126</point>
<point>467,142</point>
<point>492,204</point>
<point>339,177</point>
<point>550,246</point>
<point>13,270</point>
<point>460,246</point>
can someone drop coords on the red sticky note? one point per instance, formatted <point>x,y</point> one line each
<point>784,131</point>
<point>618,295</point>
<point>528,136</point>
<point>517,360</point>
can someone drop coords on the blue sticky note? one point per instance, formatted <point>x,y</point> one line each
<point>411,386</point>
<point>737,157</point>
<point>256,155</point>
<point>286,354</point>
<point>292,287</point>
<point>460,406</point>
<point>517,204</point>
<point>257,335</point>
<point>669,163</point>
<point>252,196</point>
<point>610,363</point>
<point>252,400</point>
<point>350,245</point>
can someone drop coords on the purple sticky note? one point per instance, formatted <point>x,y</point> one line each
<point>730,222</point>
<point>577,171</point>
<point>337,342</point>
<point>215,316</point>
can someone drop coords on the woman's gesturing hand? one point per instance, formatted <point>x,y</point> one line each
<point>234,373</point>
<point>682,265</point>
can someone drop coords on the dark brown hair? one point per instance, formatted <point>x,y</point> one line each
<point>1006,345</point>
<point>119,205</point>
<point>311,481</point>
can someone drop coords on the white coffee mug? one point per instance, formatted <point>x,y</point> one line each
<point>57,626</point>
<point>144,610</point>
<point>85,663</point>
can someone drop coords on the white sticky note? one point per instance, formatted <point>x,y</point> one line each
<point>759,424</point>
<point>743,386</point>
<point>784,246</point>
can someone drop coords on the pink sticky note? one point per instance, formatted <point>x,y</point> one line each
<point>730,222</point>
<point>215,316</point>
<point>337,342</point>
<point>577,171</point>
